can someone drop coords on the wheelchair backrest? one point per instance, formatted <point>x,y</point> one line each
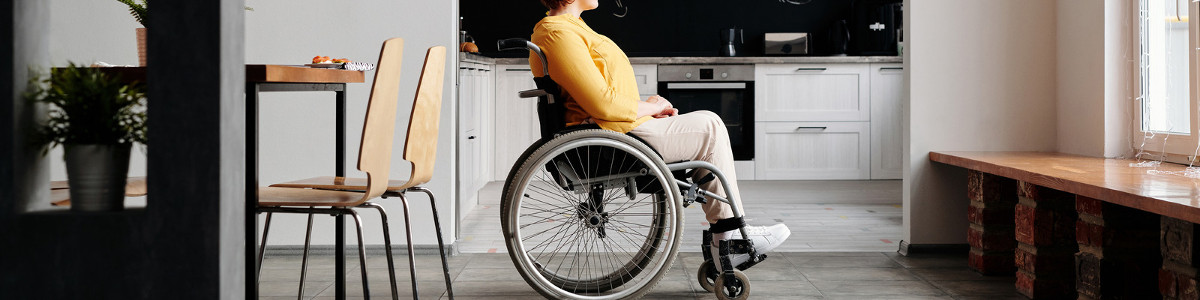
<point>550,110</point>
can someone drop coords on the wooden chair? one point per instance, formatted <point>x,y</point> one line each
<point>420,149</point>
<point>60,192</point>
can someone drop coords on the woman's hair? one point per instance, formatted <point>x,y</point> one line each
<point>552,4</point>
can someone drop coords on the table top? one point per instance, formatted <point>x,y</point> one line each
<point>1161,189</point>
<point>268,74</point>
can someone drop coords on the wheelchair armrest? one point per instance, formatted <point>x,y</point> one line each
<point>533,93</point>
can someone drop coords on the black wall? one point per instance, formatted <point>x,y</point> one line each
<point>662,27</point>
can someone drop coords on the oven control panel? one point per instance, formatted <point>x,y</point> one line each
<point>683,73</point>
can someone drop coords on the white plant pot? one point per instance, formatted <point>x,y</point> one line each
<point>96,175</point>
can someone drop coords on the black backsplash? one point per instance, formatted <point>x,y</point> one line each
<point>662,27</point>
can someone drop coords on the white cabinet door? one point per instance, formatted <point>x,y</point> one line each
<point>515,119</point>
<point>812,150</point>
<point>887,140</point>
<point>473,92</point>
<point>647,80</point>
<point>812,92</point>
<point>486,89</point>
<point>467,122</point>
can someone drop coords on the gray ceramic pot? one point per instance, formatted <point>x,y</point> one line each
<point>96,175</point>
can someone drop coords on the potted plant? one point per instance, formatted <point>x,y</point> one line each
<point>139,12</point>
<point>96,118</point>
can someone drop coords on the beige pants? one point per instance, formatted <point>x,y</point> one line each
<point>699,135</point>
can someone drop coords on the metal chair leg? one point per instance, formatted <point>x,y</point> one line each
<point>387,246</point>
<point>262,248</point>
<point>441,246</point>
<point>412,261</point>
<point>304,258</point>
<point>362,252</point>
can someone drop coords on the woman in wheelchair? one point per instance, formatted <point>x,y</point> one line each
<point>594,86</point>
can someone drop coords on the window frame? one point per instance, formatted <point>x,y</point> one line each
<point>1172,147</point>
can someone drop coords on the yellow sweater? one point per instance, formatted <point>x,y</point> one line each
<point>592,70</point>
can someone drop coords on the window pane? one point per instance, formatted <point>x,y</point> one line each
<point>1164,66</point>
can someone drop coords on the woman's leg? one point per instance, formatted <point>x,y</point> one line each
<point>702,136</point>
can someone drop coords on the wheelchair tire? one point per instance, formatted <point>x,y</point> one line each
<point>707,275</point>
<point>737,289</point>
<point>566,248</point>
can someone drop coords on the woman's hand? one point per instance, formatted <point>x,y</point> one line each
<point>666,109</point>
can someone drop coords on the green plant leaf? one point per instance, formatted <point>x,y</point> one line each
<point>88,106</point>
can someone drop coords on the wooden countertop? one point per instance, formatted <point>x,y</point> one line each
<point>1165,192</point>
<point>267,73</point>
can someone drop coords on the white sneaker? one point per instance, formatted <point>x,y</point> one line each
<point>765,238</point>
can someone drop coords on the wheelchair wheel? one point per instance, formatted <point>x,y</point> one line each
<point>706,275</point>
<point>736,288</point>
<point>591,214</point>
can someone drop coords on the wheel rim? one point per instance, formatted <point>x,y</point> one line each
<point>610,250</point>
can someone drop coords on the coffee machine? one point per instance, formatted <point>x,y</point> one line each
<point>732,40</point>
<point>876,27</point>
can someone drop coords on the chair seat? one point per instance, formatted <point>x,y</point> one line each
<point>278,196</point>
<point>60,193</point>
<point>339,184</point>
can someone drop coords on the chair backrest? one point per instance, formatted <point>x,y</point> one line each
<point>379,128</point>
<point>420,147</point>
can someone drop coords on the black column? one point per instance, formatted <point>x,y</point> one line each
<point>196,210</point>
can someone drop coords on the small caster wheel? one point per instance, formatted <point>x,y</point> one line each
<point>737,289</point>
<point>706,275</point>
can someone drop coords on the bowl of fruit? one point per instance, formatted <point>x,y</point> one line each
<point>327,63</point>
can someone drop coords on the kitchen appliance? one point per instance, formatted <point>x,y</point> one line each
<point>785,43</point>
<point>876,27</point>
<point>727,90</point>
<point>731,41</point>
<point>839,38</point>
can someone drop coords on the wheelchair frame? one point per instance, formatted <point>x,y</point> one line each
<point>551,114</point>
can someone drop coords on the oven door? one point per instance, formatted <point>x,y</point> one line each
<point>733,101</point>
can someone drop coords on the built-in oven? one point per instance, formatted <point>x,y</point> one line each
<point>727,90</point>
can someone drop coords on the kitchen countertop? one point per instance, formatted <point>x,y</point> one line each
<point>713,60</point>
<point>737,60</point>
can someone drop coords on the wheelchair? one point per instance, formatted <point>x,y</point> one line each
<point>589,213</point>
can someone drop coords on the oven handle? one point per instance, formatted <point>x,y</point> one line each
<point>705,85</point>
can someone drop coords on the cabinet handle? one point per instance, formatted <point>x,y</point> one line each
<point>811,69</point>
<point>891,68</point>
<point>518,70</point>
<point>812,127</point>
<point>471,137</point>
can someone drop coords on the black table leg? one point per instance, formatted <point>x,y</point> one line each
<point>340,228</point>
<point>251,190</point>
<point>340,138</point>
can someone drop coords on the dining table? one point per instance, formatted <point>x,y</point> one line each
<point>262,78</point>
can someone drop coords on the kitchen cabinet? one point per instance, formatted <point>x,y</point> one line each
<point>812,150</point>
<point>856,104</point>
<point>812,92</point>
<point>474,92</point>
<point>647,79</point>
<point>515,119</point>
<point>887,126</point>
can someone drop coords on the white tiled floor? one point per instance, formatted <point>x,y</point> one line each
<point>824,216</point>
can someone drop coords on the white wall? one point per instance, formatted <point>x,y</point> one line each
<point>1095,62</point>
<point>1119,65</point>
<point>296,129</point>
<point>1081,66</point>
<point>981,77</point>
